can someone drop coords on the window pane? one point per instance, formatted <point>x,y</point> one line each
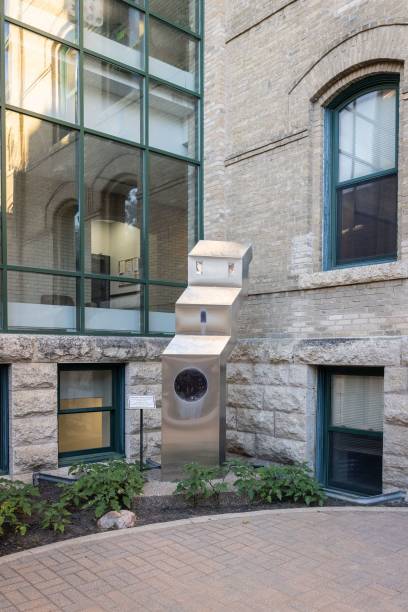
<point>41,186</point>
<point>114,29</point>
<point>162,304</point>
<point>41,75</point>
<point>112,305</point>
<point>58,17</point>
<point>113,213</point>
<point>367,134</point>
<point>180,12</point>
<point>85,389</point>
<point>172,230</point>
<point>112,99</point>
<point>357,402</point>
<point>41,301</point>
<point>367,220</point>
<point>173,55</point>
<point>172,120</point>
<point>355,463</point>
<point>84,431</point>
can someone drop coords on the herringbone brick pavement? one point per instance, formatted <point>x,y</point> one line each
<point>333,560</point>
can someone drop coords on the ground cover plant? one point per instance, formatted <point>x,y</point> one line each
<point>269,484</point>
<point>99,486</point>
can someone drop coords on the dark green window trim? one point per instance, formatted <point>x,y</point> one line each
<point>4,421</point>
<point>198,93</point>
<point>331,183</point>
<point>323,415</point>
<point>117,411</point>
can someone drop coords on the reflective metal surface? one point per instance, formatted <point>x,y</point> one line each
<point>194,363</point>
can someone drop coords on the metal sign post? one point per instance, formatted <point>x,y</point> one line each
<point>142,403</point>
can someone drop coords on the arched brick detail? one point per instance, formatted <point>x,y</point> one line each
<point>377,44</point>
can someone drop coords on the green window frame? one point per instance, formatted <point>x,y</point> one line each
<point>332,184</point>
<point>324,429</point>
<point>147,283</point>
<point>116,448</point>
<point>4,421</point>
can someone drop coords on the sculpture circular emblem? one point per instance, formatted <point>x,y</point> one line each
<point>190,385</point>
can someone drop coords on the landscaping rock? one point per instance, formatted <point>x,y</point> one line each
<point>117,520</point>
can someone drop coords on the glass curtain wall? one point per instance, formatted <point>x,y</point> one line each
<point>100,159</point>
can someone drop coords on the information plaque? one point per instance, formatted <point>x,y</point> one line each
<point>142,402</point>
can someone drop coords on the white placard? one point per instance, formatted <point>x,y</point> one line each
<point>142,402</point>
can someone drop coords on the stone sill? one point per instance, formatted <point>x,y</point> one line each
<point>354,275</point>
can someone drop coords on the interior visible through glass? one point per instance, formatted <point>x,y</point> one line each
<point>172,120</point>
<point>173,55</point>
<point>112,99</point>
<point>114,29</point>
<point>41,301</point>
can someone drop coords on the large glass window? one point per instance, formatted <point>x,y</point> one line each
<point>101,167</point>
<point>364,175</point>
<point>90,411</point>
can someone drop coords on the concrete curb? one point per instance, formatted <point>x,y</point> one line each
<point>32,552</point>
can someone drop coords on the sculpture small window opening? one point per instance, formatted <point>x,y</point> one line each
<point>364,174</point>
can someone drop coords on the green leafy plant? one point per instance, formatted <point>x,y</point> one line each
<point>18,502</point>
<point>56,516</point>
<point>103,486</point>
<point>290,483</point>
<point>202,482</point>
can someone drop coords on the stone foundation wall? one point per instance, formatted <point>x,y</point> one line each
<point>272,394</point>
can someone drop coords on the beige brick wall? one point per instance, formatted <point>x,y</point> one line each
<point>271,66</point>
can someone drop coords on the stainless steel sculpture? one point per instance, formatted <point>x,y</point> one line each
<point>194,363</point>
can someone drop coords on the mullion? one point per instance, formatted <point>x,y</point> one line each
<point>81,410</point>
<point>4,292</point>
<point>367,178</point>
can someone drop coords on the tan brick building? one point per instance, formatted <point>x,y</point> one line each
<point>303,160</point>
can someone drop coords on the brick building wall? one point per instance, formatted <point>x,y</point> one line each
<point>272,66</point>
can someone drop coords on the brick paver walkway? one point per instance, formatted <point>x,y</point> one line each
<point>334,560</point>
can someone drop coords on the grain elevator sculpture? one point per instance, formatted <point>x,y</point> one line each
<point>194,363</point>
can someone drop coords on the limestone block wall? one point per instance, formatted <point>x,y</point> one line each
<point>272,394</point>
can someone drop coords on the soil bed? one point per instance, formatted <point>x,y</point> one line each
<point>151,509</point>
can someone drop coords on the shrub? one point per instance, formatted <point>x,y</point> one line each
<point>18,502</point>
<point>103,486</point>
<point>200,484</point>
<point>290,483</point>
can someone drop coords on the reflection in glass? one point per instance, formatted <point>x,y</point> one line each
<point>367,220</point>
<point>112,305</point>
<point>57,17</point>
<point>172,120</point>
<point>173,55</point>
<point>84,431</point>
<point>85,389</point>
<point>172,203</point>
<point>367,134</point>
<point>112,99</point>
<point>41,74</point>
<point>180,12</point>
<point>113,212</point>
<point>41,301</point>
<point>41,193</point>
<point>355,463</point>
<point>115,30</point>
<point>162,302</point>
